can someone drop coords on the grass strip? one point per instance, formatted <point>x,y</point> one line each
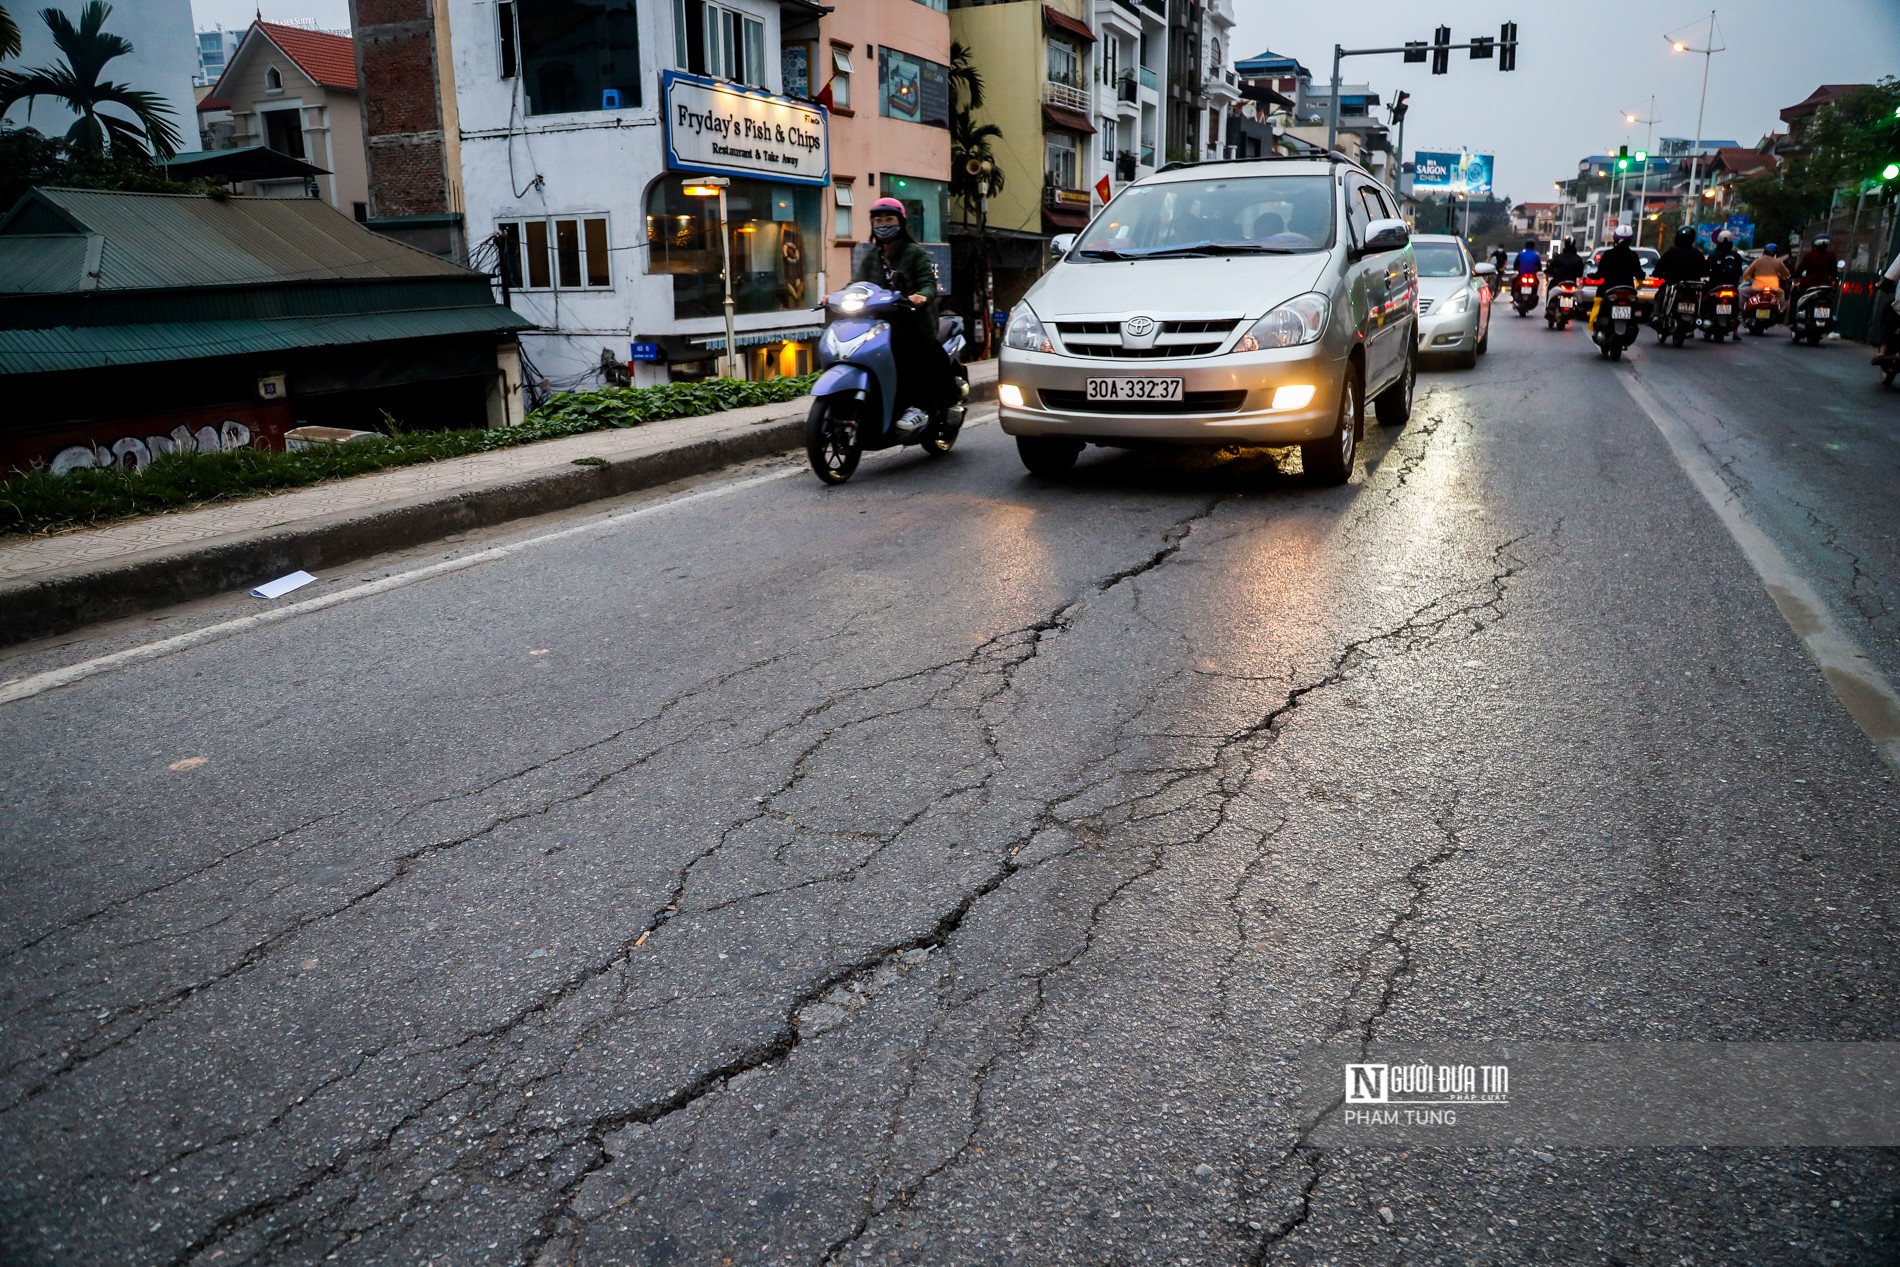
<point>39,501</point>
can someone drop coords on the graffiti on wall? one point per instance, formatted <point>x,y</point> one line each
<point>136,454</point>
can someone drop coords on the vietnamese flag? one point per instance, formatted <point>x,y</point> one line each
<point>1103,190</point>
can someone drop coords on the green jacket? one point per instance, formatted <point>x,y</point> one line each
<point>913,274</point>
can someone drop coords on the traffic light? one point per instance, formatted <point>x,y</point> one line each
<point>1441,50</point>
<point>1482,47</point>
<point>1401,102</point>
<point>1642,156</point>
<point>1890,172</point>
<point>1622,158</point>
<point>1507,46</point>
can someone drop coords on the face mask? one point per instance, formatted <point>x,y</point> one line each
<point>886,232</point>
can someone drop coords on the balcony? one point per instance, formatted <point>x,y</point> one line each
<point>1125,89</point>
<point>1150,80</point>
<point>1147,156</point>
<point>1070,96</point>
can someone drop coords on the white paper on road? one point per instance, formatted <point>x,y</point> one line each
<point>282,585</point>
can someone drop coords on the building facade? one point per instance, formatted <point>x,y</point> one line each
<point>295,91</point>
<point>411,129</point>
<point>215,47</point>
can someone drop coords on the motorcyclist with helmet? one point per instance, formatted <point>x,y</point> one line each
<point>896,262</point>
<point>1567,265</point>
<point>1682,262</point>
<point>1768,271</point>
<point>1816,267</point>
<point>1619,266</point>
<point>1529,263</point>
<point>1726,263</point>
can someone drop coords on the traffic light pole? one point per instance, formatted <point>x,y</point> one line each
<point>1507,48</point>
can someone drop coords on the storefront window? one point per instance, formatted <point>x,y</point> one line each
<point>773,231</point>
<point>926,203</point>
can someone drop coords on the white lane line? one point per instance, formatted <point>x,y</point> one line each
<point>1865,692</point>
<point>52,679</point>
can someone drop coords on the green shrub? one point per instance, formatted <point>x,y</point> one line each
<point>36,501</point>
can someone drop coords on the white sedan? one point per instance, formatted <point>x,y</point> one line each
<point>1454,304</point>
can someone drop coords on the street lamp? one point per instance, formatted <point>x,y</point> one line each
<point>1708,54</point>
<point>1649,134</point>
<point>715,187</point>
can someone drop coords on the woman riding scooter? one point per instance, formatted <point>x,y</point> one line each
<point>896,262</point>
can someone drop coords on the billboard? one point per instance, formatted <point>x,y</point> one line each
<point>1437,171</point>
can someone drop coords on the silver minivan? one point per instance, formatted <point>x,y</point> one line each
<point>1257,302</point>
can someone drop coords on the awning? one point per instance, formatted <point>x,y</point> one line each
<point>759,338</point>
<point>1063,22</point>
<point>252,162</point>
<point>1064,219</point>
<point>1066,120</point>
<point>65,348</point>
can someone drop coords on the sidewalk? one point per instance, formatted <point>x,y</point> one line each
<point>51,584</point>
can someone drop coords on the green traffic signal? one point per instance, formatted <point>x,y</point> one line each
<point>1890,171</point>
<point>1622,164</point>
<point>1642,156</point>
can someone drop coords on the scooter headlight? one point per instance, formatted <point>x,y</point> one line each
<point>1297,321</point>
<point>1025,333</point>
<point>840,347</point>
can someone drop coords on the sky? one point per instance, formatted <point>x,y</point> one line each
<point>1580,67</point>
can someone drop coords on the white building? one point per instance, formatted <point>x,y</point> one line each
<point>215,48</point>
<point>1220,86</point>
<point>579,123</point>
<point>1130,67</point>
<point>163,60</point>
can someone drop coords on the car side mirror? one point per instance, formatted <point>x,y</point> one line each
<point>1386,235</point>
<point>1061,243</point>
<point>1485,270</point>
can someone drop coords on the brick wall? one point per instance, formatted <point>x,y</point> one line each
<point>396,63</point>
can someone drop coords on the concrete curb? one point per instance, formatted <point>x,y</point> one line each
<point>54,602</point>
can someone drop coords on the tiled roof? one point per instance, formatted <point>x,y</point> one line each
<point>328,59</point>
<point>1742,162</point>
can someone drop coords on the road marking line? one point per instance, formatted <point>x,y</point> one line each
<point>1858,683</point>
<point>52,679</point>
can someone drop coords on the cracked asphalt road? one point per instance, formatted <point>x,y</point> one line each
<point>950,868</point>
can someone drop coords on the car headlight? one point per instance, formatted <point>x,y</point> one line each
<point>1026,334</point>
<point>1294,322</point>
<point>842,347</point>
<point>1460,302</point>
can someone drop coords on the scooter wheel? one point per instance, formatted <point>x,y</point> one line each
<point>1616,354</point>
<point>831,443</point>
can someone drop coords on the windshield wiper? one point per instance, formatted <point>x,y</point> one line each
<point>1103,253</point>
<point>1219,248</point>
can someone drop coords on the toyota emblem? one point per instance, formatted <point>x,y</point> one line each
<point>1138,327</point>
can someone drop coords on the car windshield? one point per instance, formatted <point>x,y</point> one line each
<point>1244,215</point>
<point>1439,259</point>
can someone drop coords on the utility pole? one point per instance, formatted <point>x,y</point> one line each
<point>1695,158</point>
<point>1649,135</point>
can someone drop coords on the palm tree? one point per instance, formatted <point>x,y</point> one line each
<point>76,85</point>
<point>969,140</point>
<point>9,34</point>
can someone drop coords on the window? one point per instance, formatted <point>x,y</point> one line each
<point>770,227</point>
<point>795,59</point>
<point>912,88</point>
<point>840,79</point>
<point>926,203</point>
<point>507,34</point>
<point>283,131</point>
<point>841,227</point>
<point>719,42</point>
<point>273,79</point>
<point>1061,159</point>
<point>575,55</point>
<point>1064,66</point>
<point>557,253</point>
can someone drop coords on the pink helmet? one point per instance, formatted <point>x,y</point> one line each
<point>890,206</point>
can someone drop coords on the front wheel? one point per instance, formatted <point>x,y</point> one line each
<point>1329,460</point>
<point>831,442</point>
<point>1048,455</point>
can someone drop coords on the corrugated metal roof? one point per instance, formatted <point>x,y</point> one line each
<point>66,348</point>
<point>169,241</point>
<point>35,265</point>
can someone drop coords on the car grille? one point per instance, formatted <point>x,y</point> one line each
<point>1190,403</point>
<point>1175,338</point>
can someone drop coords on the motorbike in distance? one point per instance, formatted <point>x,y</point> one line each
<point>1524,293</point>
<point>1761,308</point>
<point>1721,316</point>
<point>1561,305</point>
<point>1677,310</point>
<point>1616,326</point>
<point>852,401</point>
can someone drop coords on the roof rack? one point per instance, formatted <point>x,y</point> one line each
<point>1181,164</point>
